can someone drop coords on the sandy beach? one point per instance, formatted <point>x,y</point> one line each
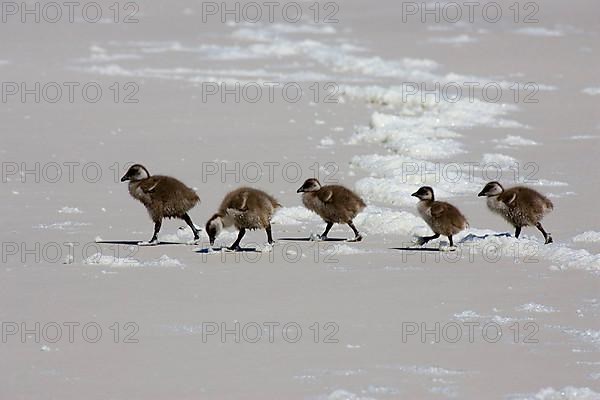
<point>380,98</point>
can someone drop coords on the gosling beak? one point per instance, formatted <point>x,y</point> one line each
<point>481,194</point>
<point>300,190</point>
<point>124,178</point>
<point>415,194</point>
<point>212,242</point>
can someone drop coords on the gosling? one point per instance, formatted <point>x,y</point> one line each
<point>163,196</point>
<point>333,203</point>
<point>244,208</point>
<point>443,218</point>
<point>520,206</point>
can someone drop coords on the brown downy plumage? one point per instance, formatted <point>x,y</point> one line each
<point>443,218</point>
<point>335,204</point>
<point>243,208</point>
<point>163,196</point>
<point>520,206</point>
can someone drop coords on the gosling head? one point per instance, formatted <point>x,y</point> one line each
<point>491,189</point>
<point>310,185</point>
<point>424,193</point>
<point>136,172</point>
<point>214,226</point>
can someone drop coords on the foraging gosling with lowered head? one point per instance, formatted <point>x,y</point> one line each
<point>244,208</point>
<point>333,203</point>
<point>519,205</point>
<point>163,196</point>
<point>443,218</point>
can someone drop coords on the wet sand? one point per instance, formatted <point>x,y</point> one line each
<point>371,294</point>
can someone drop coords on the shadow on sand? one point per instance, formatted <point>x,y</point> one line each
<point>219,250</point>
<point>309,239</point>
<point>139,243</point>
<point>469,238</point>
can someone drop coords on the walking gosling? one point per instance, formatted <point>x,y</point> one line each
<point>519,205</point>
<point>163,196</point>
<point>333,203</point>
<point>443,218</point>
<point>244,208</point>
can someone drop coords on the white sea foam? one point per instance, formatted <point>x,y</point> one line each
<point>112,261</point>
<point>591,336</point>
<point>70,210</point>
<point>226,238</point>
<point>271,41</point>
<point>61,226</point>
<point>382,390</point>
<point>540,31</point>
<point>430,370</point>
<point>421,132</point>
<point>463,113</point>
<point>501,160</point>
<point>560,195</point>
<point>394,178</point>
<point>303,28</point>
<point>513,140</point>
<point>111,70</point>
<point>346,61</point>
<point>537,308</point>
<point>454,40</point>
<point>544,182</point>
<point>100,54</point>
<point>384,221</point>
<point>525,250</point>
<point>581,137</point>
<point>294,216</point>
<point>103,57</point>
<point>589,236</point>
<point>446,391</point>
<point>372,220</point>
<point>396,191</point>
<point>200,76</point>
<point>341,394</point>
<point>439,28</point>
<point>181,235</point>
<point>327,141</point>
<point>592,91</point>
<point>401,136</point>
<point>343,250</point>
<point>467,315</point>
<point>338,57</point>
<point>566,393</point>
